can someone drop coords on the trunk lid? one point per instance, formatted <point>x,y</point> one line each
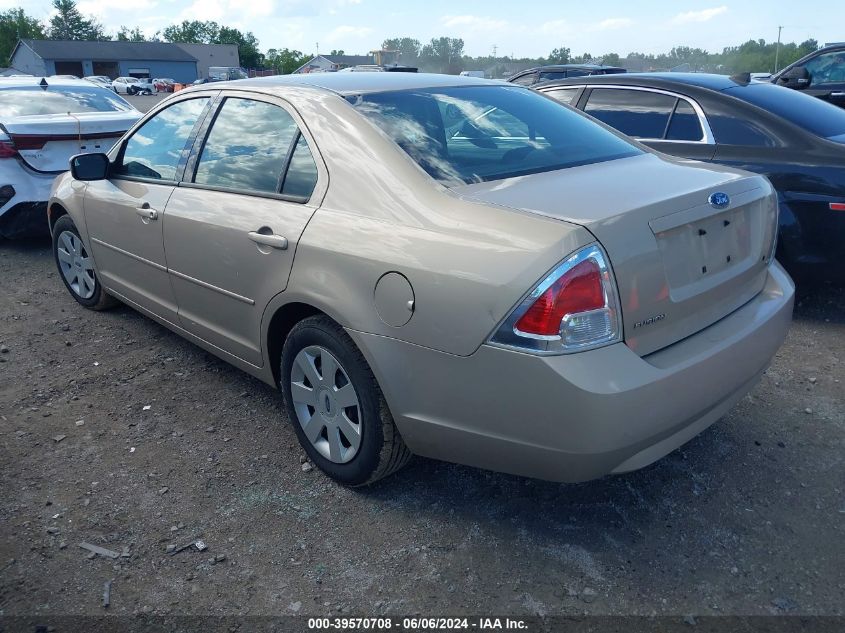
<point>47,141</point>
<point>680,263</point>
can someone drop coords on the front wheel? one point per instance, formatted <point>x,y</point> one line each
<point>76,267</point>
<point>336,406</point>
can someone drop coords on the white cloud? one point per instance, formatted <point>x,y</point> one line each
<point>699,16</point>
<point>473,23</point>
<point>556,27</point>
<point>347,32</point>
<point>611,24</point>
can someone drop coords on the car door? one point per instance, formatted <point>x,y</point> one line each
<point>827,77</point>
<point>124,214</point>
<point>667,122</point>
<point>232,227</point>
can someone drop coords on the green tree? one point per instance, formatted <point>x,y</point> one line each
<point>337,52</point>
<point>611,59</point>
<point>444,54</point>
<point>16,25</point>
<point>559,56</point>
<point>192,32</point>
<point>135,35</point>
<point>409,49</point>
<point>68,23</point>
<point>247,44</point>
<point>284,60</point>
<point>199,32</point>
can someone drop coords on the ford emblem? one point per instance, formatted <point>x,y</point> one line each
<point>719,200</point>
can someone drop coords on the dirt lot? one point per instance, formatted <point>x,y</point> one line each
<point>115,432</point>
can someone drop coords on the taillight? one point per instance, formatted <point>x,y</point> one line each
<point>573,309</point>
<point>7,147</point>
<point>837,206</point>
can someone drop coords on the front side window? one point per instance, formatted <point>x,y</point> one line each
<point>34,100</point>
<point>636,113</point>
<point>468,134</point>
<point>156,149</point>
<point>827,69</point>
<point>247,146</point>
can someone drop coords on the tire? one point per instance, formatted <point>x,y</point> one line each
<point>380,451</point>
<point>68,251</point>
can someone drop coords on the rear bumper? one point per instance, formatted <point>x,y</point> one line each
<point>580,416</point>
<point>24,214</point>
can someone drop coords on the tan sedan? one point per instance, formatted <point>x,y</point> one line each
<point>446,266</point>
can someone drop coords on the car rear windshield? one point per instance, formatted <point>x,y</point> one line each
<point>33,100</point>
<point>813,114</point>
<point>471,134</point>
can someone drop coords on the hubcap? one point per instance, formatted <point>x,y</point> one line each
<point>76,265</point>
<point>326,404</point>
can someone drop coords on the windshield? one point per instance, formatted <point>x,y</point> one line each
<point>813,114</point>
<point>478,133</point>
<point>33,100</point>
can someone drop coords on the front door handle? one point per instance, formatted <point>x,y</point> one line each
<point>272,240</point>
<point>146,211</point>
<point>838,94</point>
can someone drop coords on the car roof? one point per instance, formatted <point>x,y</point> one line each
<point>572,67</point>
<point>357,83</point>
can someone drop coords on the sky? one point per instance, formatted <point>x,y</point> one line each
<point>520,29</point>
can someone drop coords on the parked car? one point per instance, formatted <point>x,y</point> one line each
<point>820,74</point>
<point>796,141</point>
<point>561,71</point>
<point>527,292</point>
<point>43,122</point>
<point>163,84</point>
<point>100,80</point>
<point>200,81</point>
<point>132,86</point>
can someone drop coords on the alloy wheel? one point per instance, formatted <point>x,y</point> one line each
<point>326,404</point>
<point>76,265</point>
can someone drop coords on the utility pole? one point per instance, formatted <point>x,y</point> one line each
<point>494,51</point>
<point>318,49</point>
<point>777,49</point>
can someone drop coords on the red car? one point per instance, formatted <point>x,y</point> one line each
<point>163,85</point>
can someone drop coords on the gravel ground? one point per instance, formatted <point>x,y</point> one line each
<point>118,433</point>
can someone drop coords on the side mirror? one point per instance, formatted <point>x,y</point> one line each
<point>89,167</point>
<point>796,77</point>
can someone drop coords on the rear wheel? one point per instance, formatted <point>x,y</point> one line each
<point>76,267</point>
<point>336,405</point>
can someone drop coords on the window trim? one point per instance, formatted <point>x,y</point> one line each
<point>120,148</point>
<point>708,138</point>
<point>192,164</point>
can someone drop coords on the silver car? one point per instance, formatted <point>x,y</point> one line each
<point>435,265</point>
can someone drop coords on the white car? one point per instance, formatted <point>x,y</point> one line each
<point>43,122</point>
<point>99,80</point>
<point>132,86</point>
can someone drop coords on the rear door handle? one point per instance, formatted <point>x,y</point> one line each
<point>837,94</point>
<point>146,211</point>
<point>274,241</point>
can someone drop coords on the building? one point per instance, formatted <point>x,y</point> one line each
<point>208,55</point>
<point>112,59</point>
<point>329,63</point>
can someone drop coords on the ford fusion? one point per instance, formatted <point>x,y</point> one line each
<point>435,265</point>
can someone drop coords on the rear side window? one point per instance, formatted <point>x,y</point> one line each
<point>564,95</point>
<point>247,146</point>
<point>684,125</point>
<point>525,80</point>
<point>552,74</point>
<point>34,100</point>
<point>301,176</point>
<point>636,113</point>
<point>156,149</point>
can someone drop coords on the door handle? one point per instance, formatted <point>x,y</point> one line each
<point>146,211</point>
<point>837,94</point>
<point>273,241</point>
